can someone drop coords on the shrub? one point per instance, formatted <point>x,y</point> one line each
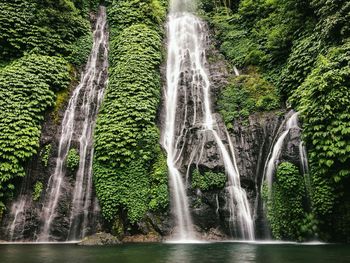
<point>73,159</point>
<point>208,181</point>
<point>244,95</point>
<point>285,210</point>
<point>37,190</point>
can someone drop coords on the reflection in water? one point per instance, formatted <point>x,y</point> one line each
<point>177,253</point>
<point>243,254</point>
<point>215,252</point>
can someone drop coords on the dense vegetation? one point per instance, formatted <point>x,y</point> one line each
<point>130,172</point>
<point>301,49</point>
<point>244,95</point>
<point>38,39</point>
<point>287,206</point>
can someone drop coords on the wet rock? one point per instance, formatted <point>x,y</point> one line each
<point>100,239</point>
<point>148,238</point>
<point>214,234</point>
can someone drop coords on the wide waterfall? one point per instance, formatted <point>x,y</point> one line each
<point>188,108</point>
<point>90,91</point>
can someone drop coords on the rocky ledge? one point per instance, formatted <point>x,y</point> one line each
<point>100,239</point>
<point>148,238</point>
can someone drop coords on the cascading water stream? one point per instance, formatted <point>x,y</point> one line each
<point>187,79</point>
<point>15,229</point>
<point>92,100</point>
<point>176,38</point>
<point>292,122</point>
<point>273,157</point>
<point>17,211</point>
<point>305,166</point>
<point>90,88</point>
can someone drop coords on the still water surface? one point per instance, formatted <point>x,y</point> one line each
<point>177,253</point>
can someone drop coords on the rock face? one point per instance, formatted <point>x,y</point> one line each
<point>99,239</point>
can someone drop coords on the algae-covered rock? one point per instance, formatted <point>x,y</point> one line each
<point>100,239</point>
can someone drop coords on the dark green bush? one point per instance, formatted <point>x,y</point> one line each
<point>300,63</point>
<point>324,103</point>
<point>122,14</point>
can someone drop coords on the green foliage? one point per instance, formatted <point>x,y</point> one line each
<point>26,91</point>
<point>45,154</point>
<point>324,102</point>
<point>126,129</point>
<point>129,171</point>
<point>300,63</point>
<point>236,44</point>
<point>122,14</point>
<point>62,97</point>
<point>80,50</point>
<point>259,32</point>
<point>40,26</point>
<point>285,210</point>
<point>341,213</point>
<point>244,95</point>
<point>37,190</point>
<point>208,181</point>
<point>159,193</point>
<point>84,6</point>
<point>333,19</point>
<point>73,159</point>
<point>309,227</point>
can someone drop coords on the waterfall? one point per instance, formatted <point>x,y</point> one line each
<point>273,156</point>
<point>305,167</point>
<point>178,28</point>
<point>15,226</point>
<point>17,210</point>
<point>82,197</point>
<point>90,91</point>
<point>303,158</point>
<point>188,85</point>
<point>236,71</point>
